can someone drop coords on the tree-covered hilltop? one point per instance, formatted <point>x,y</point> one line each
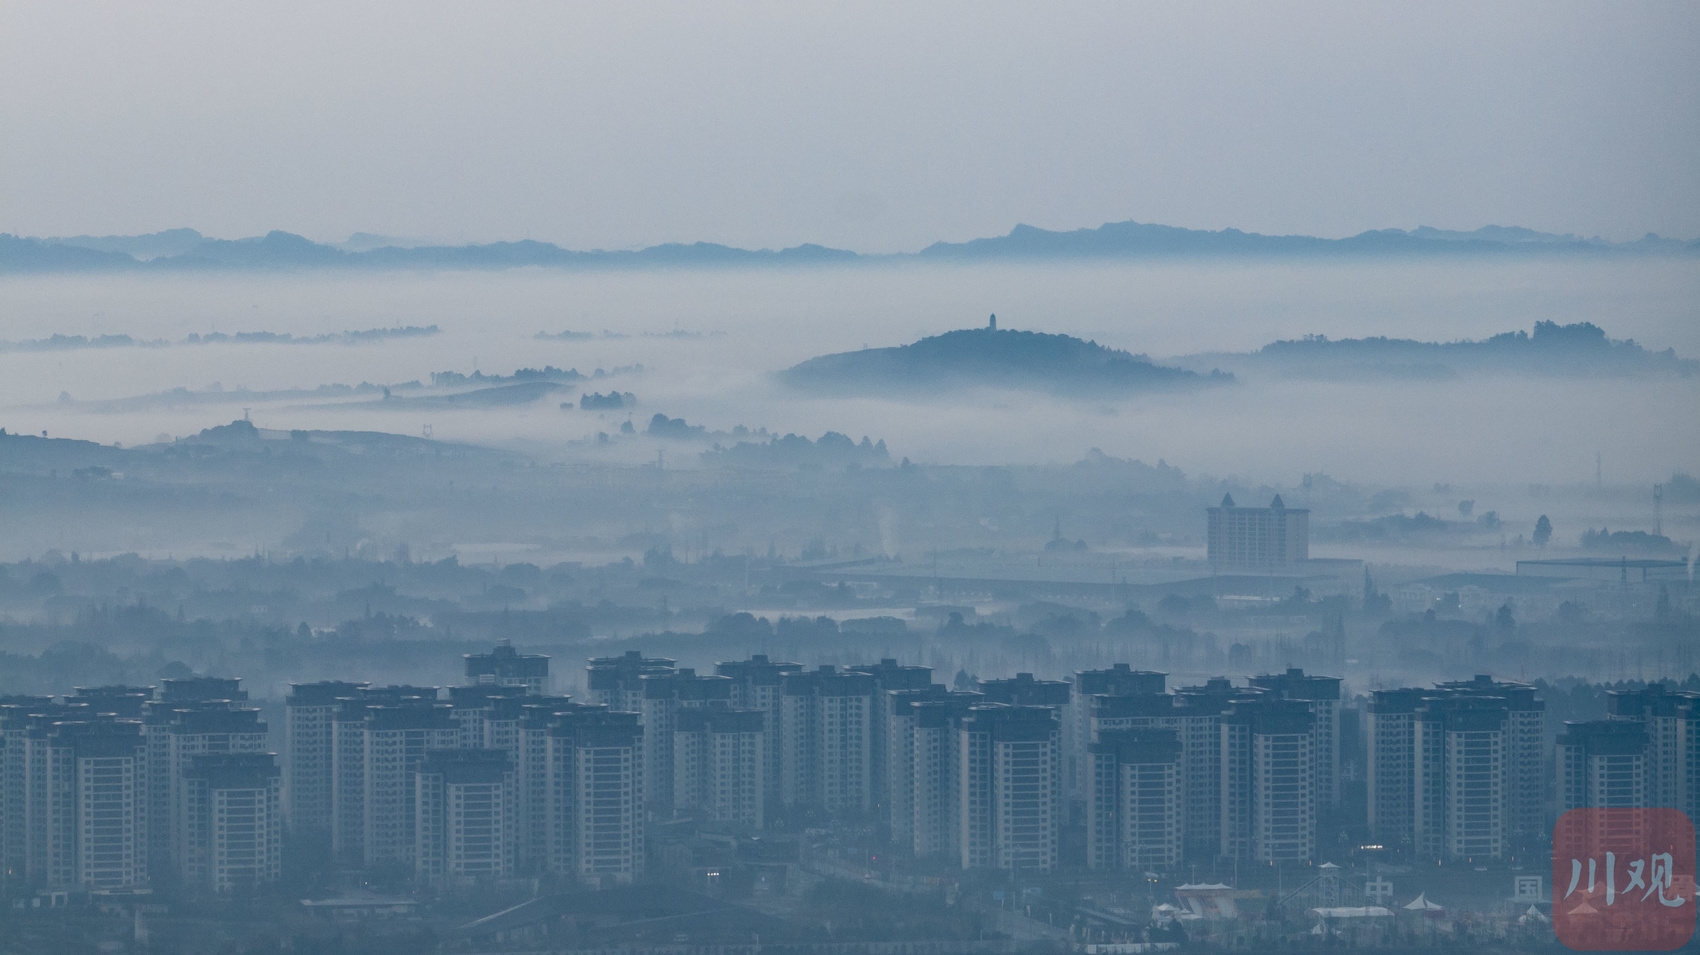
<point>990,356</point>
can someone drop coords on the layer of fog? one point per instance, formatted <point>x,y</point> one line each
<point>748,323</point>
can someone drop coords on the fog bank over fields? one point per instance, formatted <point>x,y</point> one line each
<point>709,343</point>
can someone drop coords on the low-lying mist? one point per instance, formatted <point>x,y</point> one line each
<point>709,342</point>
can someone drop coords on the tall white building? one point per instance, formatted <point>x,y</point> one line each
<point>1672,720</point>
<point>84,821</point>
<point>1390,741</point>
<point>1457,772</point>
<point>827,724</point>
<point>666,693</point>
<point>395,741</point>
<point>1527,820</point>
<point>231,821</point>
<point>173,700</point>
<point>757,685</point>
<point>935,785</point>
<point>1134,817</point>
<point>1201,710</point>
<point>309,721</point>
<point>717,765</point>
<point>111,812</point>
<point>1269,800</point>
<point>900,721</point>
<point>1603,764</point>
<point>1257,539</point>
<point>596,824</point>
<point>1010,787</point>
<point>889,677</point>
<point>464,816</point>
<point>25,723</point>
<point>1321,695</point>
<point>531,770</point>
<point>17,715</point>
<point>1461,782</point>
<point>205,732</point>
<point>349,762</point>
<point>1118,680</point>
<point>616,682</point>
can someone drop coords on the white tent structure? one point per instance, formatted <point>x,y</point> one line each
<point>1423,905</point>
<point>1207,900</point>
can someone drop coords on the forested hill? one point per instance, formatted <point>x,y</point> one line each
<point>1550,349</point>
<point>990,357</point>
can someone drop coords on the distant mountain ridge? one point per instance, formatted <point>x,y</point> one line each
<point>189,250</point>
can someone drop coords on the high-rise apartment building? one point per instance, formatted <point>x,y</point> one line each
<point>1457,772</point>
<point>1119,680</point>
<point>213,731</point>
<point>231,825</point>
<point>1256,539</point>
<point>24,723</point>
<point>889,677</point>
<point>1462,783</point>
<point>1269,803</point>
<point>1010,787</point>
<point>1134,817</point>
<point>531,771</point>
<point>1199,713</point>
<point>110,814</point>
<point>395,740</point>
<point>83,822</point>
<point>617,682</point>
<point>1390,740</point>
<point>309,721</point>
<point>901,720</point>
<point>1604,764</point>
<point>935,784</point>
<point>174,699</point>
<point>827,721</point>
<point>1526,807</point>
<point>1321,695</point>
<point>596,817</point>
<point>717,765</point>
<point>464,816</point>
<point>17,715</point>
<point>1672,721</point>
<point>504,666</point>
<point>349,758</point>
<point>757,685</point>
<point>666,693</point>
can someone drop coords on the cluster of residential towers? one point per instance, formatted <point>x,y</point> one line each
<point>120,787</point>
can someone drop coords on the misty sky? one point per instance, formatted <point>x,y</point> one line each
<point>869,126</point>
